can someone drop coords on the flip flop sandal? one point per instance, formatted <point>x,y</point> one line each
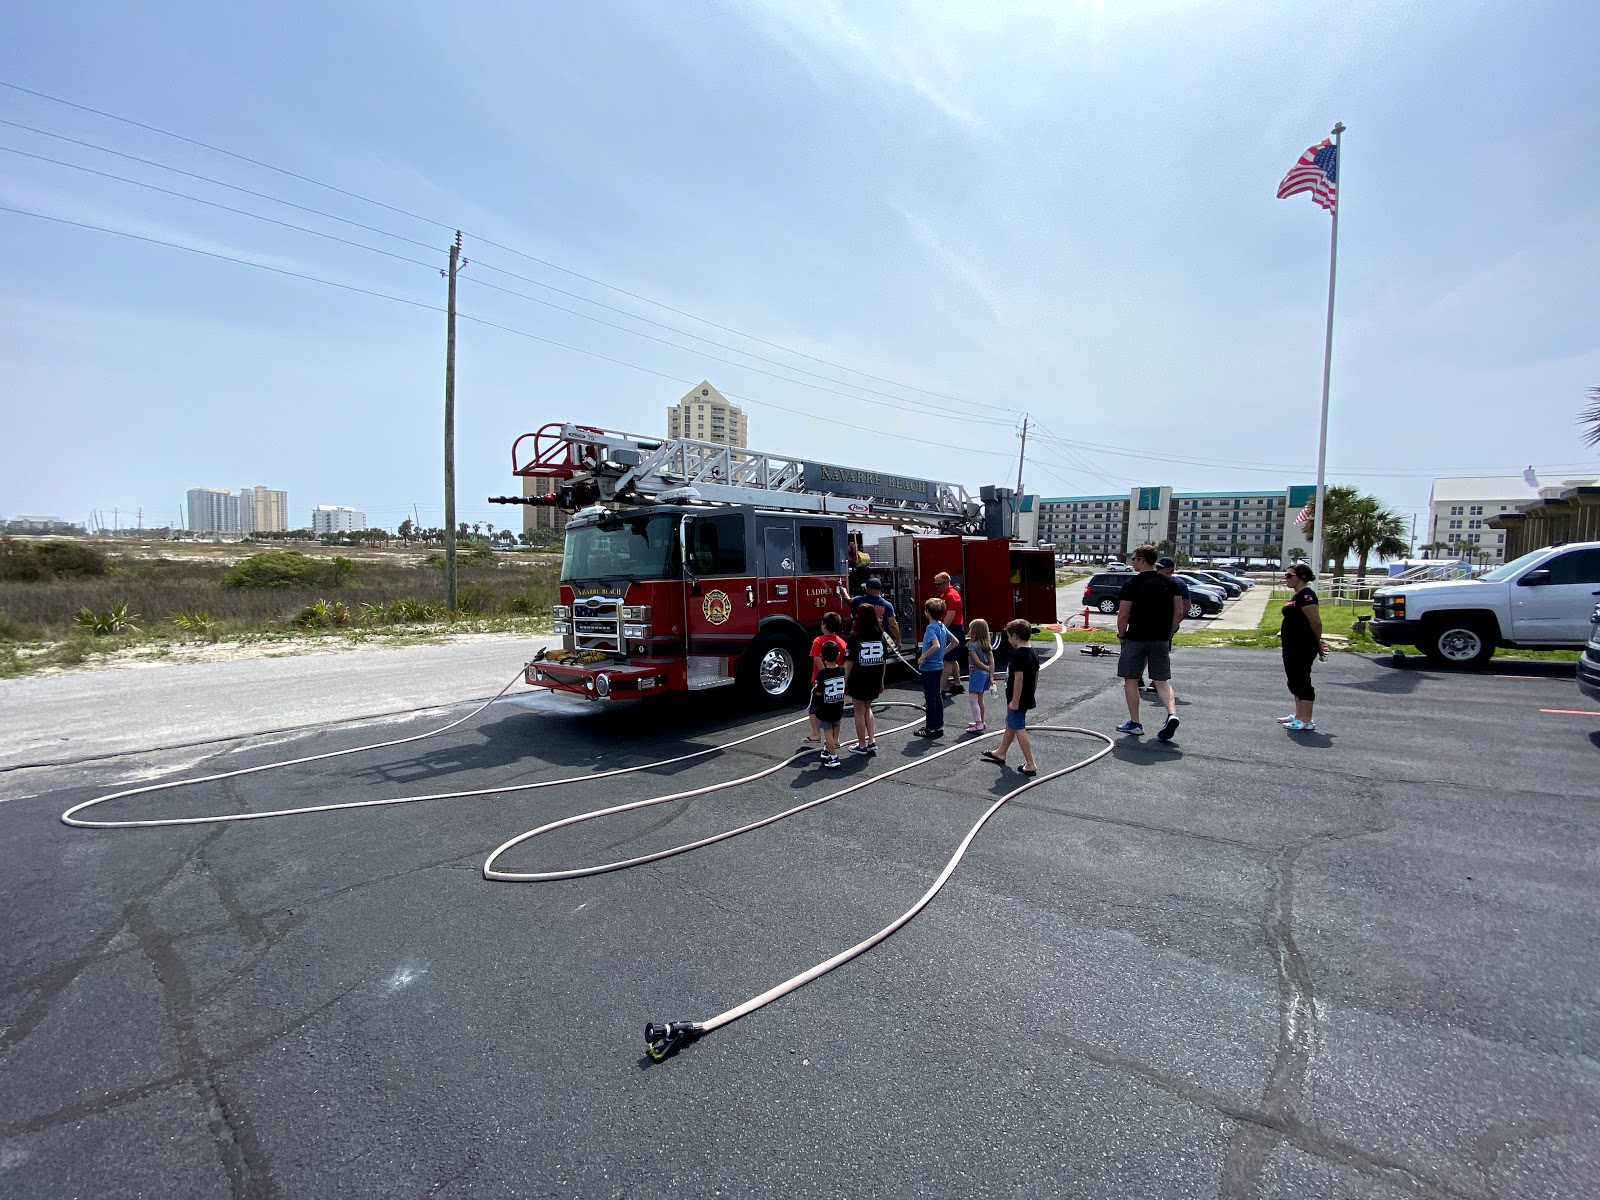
<point>994,758</point>
<point>1025,771</point>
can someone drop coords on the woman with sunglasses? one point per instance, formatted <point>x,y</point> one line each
<point>1301,634</point>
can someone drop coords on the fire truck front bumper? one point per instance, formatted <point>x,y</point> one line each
<point>606,680</point>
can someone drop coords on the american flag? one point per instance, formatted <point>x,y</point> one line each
<point>1317,172</point>
<point>1305,514</point>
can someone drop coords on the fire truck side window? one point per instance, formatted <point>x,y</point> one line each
<point>818,555</point>
<point>718,545</point>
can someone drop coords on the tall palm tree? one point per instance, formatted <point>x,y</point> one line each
<point>1370,527</point>
<point>1591,417</point>
<point>1338,505</point>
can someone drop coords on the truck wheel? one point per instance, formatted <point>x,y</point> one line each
<point>1195,611</point>
<point>1458,643</point>
<point>770,673</point>
<point>1108,605</point>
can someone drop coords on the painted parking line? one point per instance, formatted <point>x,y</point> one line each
<point>1571,712</point>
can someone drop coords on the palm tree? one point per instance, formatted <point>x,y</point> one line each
<point>1271,551</point>
<point>1208,549</point>
<point>1591,417</point>
<point>1431,548</point>
<point>1372,528</point>
<point>1338,503</point>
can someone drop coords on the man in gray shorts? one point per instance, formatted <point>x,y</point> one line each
<point>1150,611</point>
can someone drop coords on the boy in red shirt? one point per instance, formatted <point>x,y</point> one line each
<point>831,625</point>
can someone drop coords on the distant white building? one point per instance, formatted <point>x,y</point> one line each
<point>706,415</point>
<point>336,518</point>
<point>213,510</point>
<point>1460,508</point>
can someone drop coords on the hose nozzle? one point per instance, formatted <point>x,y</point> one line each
<point>662,1040</point>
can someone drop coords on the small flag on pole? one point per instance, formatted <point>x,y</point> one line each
<point>1305,514</point>
<point>1317,172</point>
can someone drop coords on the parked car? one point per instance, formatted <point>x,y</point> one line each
<point>1116,566</point>
<point>1589,661</point>
<point>1541,601</point>
<point>1230,587</point>
<point>1203,586</point>
<point>1104,591</point>
<point>1241,580</point>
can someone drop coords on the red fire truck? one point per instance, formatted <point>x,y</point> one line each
<point>690,566</point>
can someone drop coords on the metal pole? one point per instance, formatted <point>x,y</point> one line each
<point>1327,356</point>
<point>450,434</point>
<point>1016,500</point>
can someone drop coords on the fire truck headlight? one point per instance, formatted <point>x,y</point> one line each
<point>563,619</point>
<point>636,612</point>
<point>636,631</point>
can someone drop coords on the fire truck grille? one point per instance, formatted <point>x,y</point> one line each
<point>597,625</point>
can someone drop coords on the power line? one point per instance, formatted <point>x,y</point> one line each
<point>901,402</point>
<point>214,204</point>
<point>244,262</point>
<point>486,241</point>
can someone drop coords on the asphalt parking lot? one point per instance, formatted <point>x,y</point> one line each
<point>1356,963</point>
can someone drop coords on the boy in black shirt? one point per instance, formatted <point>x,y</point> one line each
<point>827,695</point>
<point>1021,679</point>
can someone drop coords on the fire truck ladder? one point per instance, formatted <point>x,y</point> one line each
<point>602,466</point>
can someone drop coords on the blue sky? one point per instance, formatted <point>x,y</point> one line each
<point>1065,209</point>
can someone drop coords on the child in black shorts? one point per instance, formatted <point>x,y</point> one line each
<point>827,700</point>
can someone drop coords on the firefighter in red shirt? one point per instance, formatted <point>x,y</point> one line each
<point>955,621</point>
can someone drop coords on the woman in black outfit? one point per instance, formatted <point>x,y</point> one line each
<point>1302,645</point>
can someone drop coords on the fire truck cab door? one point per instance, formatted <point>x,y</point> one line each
<point>777,568</point>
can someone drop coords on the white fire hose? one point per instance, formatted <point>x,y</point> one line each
<point>662,1038</point>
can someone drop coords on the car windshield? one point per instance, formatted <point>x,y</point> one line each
<point>635,547</point>
<point>1516,565</point>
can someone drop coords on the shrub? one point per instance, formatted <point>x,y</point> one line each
<point>116,619</point>
<point>37,561</point>
<point>402,611</point>
<point>324,614</point>
<point>10,630</point>
<point>199,621</point>
<point>289,568</point>
<point>475,555</point>
<point>476,599</point>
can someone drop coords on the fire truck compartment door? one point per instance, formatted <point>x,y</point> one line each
<point>777,568</point>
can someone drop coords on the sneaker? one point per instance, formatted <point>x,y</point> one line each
<point>923,732</point>
<point>1168,728</point>
<point>1299,726</point>
<point>1289,720</point>
<point>872,747</point>
<point>861,750</point>
<point>831,761</point>
<point>975,727</point>
<point>1131,727</point>
<point>936,733</point>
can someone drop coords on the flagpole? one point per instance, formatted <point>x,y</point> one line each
<point>1317,562</point>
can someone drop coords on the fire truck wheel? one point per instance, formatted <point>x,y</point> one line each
<point>771,671</point>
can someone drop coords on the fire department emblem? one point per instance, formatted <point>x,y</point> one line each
<point>717,607</point>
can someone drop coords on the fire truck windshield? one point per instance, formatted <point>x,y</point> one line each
<point>631,547</point>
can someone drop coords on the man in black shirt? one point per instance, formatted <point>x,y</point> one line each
<point>1148,616</point>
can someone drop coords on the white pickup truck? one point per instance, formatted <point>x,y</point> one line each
<point>1541,601</point>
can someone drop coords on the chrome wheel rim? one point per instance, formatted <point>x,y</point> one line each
<point>777,671</point>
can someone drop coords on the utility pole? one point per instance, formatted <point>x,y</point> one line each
<point>1016,500</point>
<point>456,264</point>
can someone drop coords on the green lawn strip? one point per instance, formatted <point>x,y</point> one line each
<point>1339,620</point>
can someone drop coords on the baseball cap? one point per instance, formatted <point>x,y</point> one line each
<point>1165,561</point>
<point>874,582</point>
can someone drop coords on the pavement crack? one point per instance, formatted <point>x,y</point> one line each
<point>1298,1012</point>
<point>249,1176</point>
